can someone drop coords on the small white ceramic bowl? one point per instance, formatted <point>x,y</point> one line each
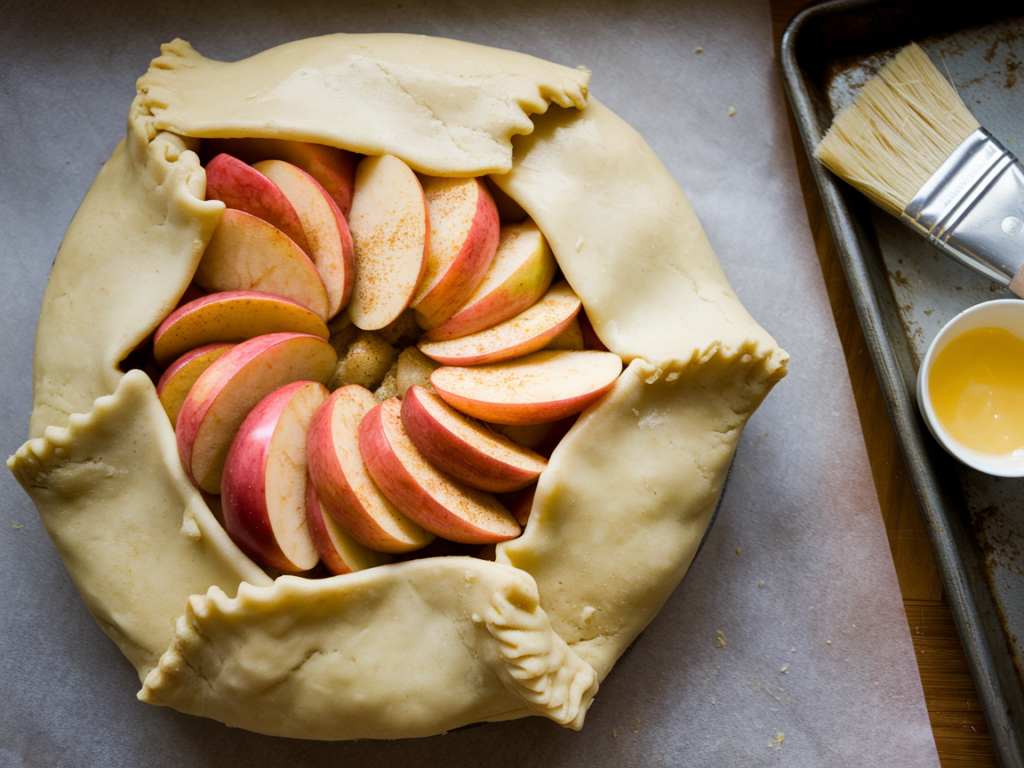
<point>1002,313</point>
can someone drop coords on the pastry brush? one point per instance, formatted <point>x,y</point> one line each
<point>909,144</point>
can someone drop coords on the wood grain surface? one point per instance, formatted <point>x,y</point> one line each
<point>961,734</point>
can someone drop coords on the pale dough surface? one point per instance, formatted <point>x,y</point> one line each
<point>619,512</point>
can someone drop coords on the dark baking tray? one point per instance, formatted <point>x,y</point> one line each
<point>905,291</point>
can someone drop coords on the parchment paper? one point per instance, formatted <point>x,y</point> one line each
<point>813,668</point>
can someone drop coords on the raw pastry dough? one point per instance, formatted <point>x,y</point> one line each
<point>420,647</point>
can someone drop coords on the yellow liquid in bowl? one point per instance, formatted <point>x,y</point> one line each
<point>977,390</point>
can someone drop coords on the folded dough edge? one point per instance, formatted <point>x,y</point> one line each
<point>150,249</point>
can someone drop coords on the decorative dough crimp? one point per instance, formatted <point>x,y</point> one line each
<point>356,656</point>
<point>421,647</point>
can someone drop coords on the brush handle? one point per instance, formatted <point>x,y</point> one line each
<point>972,208</point>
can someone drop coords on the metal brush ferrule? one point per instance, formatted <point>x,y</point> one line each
<point>972,208</point>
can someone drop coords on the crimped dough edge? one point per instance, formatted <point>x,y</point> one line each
<point>535,632</point>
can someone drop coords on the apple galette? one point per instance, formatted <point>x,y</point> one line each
<point>383,384</point>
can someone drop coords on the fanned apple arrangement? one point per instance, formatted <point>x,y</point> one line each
<point>369,359</point>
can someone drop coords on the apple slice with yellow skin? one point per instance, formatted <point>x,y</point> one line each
<point>522,270</point>
<point>177,380</point>
<point>231,316</point>
<point>243,188</point>
<point>224,394</point>
<point>334,169</point>
<point>432,499</point>
<point>464,448</point>
<point>464,230</point>
<point>330,242</point>
<point>344,487</point>
<point>248,254</point>
<point>544,386</point>
<point>390,231</point>
<point>338,551</point>
<point>263,494</point>
<point>530,330</point>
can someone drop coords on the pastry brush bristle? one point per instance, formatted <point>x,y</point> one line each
<point>902,126</point>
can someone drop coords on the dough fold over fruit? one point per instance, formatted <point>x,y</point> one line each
<point>420,647</point>
<point>607,546</point>
<point>402,650</point>
<point>628,240</point>
<point>448,108</point>
<point>133,532</point>
<point>127,257</point>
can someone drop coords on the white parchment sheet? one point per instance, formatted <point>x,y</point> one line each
<point>814,668</point>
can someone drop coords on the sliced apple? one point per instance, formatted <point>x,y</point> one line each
<point>224,394</point>
<point>413,368</point>
<point>242,187</point>
<point>390,231</point>
<point>544,386</point>
<point>344,487</point>
<point>432,499</point>
<point>231,316</point>
<point>527,332</point>
<point>338,551</point>
<point>248,254</point>
<point>177,380</point>
<point>540,438</point>
<point>522,270</point>
<point>333,168</point>
<point>330,242</point>
<point>519,503</point>
<point>464,448</point>
<point>464,232</point>
<point>263,494</point>
<point>570,338</point>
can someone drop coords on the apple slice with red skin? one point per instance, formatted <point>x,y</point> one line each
<point>530,330</point>
<point>177,380</point>
<point>544,386</point>
<point>224,394</point>
<point>248,254</point>
<point>464,448</point>
<point>231,316</point>
<point>344,487</point>
<point>330,242</point>
<point>390,231</point>
<point>432,499</point>
<point>464,230</point>
<point>243,188</point>
<point>339,552</point>
<point>522,270</point>
<point>333,168</point>
<point>263,494</point>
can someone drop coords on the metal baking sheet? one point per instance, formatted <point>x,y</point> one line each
<point>905,291</point>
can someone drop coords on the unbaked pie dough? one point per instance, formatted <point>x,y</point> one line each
<point>424,646</point>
